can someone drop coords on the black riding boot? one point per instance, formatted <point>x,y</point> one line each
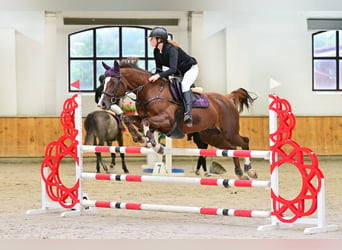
<point>187,106</point>
<point>121,116</point>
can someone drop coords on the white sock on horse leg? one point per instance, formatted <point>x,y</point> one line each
<point>247,161</point>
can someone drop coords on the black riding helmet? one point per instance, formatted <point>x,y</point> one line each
<point>159,32</point>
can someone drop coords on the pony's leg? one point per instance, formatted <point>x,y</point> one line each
<point>99,162</point>
<point>113,156</point>
<point>112,163</point>
<point>99,159</point>
<point>122,155</point>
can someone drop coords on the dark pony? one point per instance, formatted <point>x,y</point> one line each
<point>102,126</point>
<point>158,109</point>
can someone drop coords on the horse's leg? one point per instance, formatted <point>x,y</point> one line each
<point>151,141</point>
<point>215,138</point>
<point>248,166</point>
<point>135,134</point>
<point>238,170</point>
<point>243,142</point>
<point>122,155</point>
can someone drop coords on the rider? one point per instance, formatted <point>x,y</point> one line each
<point>168,53</point>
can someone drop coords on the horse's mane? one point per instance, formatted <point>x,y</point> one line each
<point>131,63</point>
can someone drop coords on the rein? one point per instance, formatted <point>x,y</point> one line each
<point>136,91</point>
<point>155,97</point>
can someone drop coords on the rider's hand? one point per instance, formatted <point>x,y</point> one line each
<point>154,78</point>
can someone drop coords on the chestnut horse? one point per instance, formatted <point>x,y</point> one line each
<point>157,109</point>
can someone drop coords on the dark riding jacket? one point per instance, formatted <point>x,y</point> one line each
<point>98,93</point>
<point>175,58</point>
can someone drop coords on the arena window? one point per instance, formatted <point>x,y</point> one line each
<point>327,61</point>
<point>88,48</point>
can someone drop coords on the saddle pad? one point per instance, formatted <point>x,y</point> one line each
<point>198,100</point>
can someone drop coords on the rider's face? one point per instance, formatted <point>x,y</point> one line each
<point>153,41</point>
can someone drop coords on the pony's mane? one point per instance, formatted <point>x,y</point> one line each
<point>131,63</point>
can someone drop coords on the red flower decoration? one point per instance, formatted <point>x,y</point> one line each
<point>306,201</point>
<point>55,152</point>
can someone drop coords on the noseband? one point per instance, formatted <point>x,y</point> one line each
<point>113,95</point>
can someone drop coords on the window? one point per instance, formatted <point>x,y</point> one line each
<point>88,48</point>
<point>327,61</point>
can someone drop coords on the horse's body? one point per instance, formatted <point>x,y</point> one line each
<point>102,126</point>
<point>218,124</point>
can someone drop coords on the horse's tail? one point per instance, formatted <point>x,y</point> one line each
<point>89,125</point>
<point>241,98</point>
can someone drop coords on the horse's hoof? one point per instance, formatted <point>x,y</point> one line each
<point>250,171</point>
<point>112,165</point>
<point>243,177</point>
<point>126,171</point>
<point>197,172</point>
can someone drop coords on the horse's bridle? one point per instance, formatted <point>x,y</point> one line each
<point>136,91</point>
<point>113,96</point>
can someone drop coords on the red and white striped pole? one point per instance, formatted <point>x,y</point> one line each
<point>264,154</point>
<point>173,208</point>
<point>177,180</point>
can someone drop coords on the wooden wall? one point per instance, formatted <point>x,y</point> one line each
<point>29,136</point>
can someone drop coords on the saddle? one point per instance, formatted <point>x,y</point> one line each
<point>112,114</point>
<point>199,101</point>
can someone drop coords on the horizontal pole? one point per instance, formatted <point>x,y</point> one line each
<point>179,151</point>
<point>180,209</point>
<point>178,180</point>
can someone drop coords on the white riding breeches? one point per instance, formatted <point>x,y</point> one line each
<point>189,78</point>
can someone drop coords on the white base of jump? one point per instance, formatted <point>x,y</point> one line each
<point>319,220</point>
<point>46,210</point>
<point>309,230</point>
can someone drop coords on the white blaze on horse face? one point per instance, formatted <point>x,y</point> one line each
<point>99,104</point>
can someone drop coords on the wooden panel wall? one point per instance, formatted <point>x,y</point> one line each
<point>29,136</point>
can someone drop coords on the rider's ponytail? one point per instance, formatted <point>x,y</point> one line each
<point>175,44</point>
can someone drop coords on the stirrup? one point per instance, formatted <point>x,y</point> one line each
<point>188,120</point>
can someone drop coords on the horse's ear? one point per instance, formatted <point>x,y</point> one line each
<point>105,65</point>
<point>116,66</point>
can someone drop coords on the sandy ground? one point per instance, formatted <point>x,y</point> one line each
<point>21,191</point>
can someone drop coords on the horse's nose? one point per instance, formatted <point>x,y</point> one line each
<point>106,104</point>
